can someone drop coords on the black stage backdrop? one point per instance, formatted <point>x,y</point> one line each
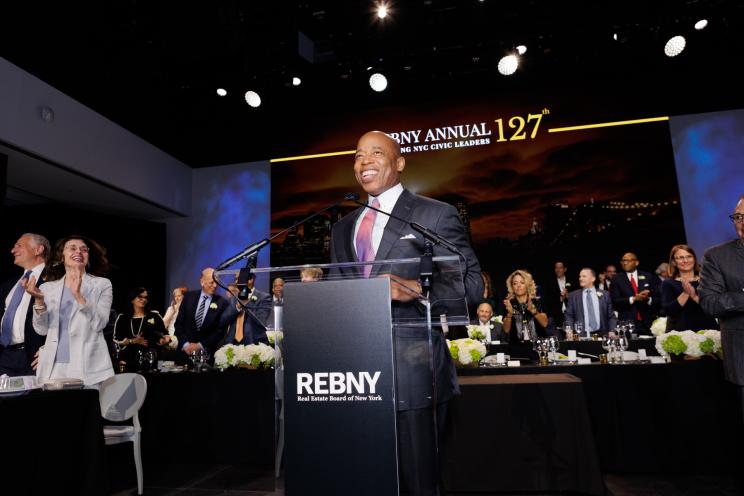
<point>135,248</point>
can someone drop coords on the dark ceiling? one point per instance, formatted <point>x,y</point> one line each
<point>154,66</point>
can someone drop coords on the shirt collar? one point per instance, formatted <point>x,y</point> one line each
<point>634,274</point>
<point>203,294</point>
<point>388,198</point>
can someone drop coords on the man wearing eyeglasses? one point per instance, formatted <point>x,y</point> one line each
<point>721,294</point>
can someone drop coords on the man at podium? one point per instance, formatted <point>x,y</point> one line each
<point>367,235</point>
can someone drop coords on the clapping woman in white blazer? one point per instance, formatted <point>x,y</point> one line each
<point>71,309</point>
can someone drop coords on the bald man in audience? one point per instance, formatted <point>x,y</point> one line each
<point>495,329</point>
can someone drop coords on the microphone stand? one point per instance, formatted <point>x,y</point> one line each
<point>251,252</point>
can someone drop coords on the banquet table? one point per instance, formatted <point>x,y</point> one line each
<point>212,417</point>
<point>587,347</point>
<point>678,417</point>
<point>52,443</point>
<point>526,432</point>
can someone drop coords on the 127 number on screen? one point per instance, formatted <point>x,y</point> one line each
<point>518,124</point>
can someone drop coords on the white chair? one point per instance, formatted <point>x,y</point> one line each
<point>121,397</point>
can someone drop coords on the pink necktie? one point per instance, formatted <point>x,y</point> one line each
<point>365,250</point>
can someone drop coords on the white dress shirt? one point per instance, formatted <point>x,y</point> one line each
<point>634,275</point>
<point>19,322</point>
<point>387,201</point>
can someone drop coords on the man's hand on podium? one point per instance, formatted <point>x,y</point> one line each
<point>403,289</point>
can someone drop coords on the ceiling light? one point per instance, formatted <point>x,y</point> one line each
<point>521,49</point>
<point>252,98</point>
<point>296,81</point>
<point>382,11</point>
<point>378,82</point>
<point>674,46</point>
<point>508,65</point>
<point>221,91</point>
<point>701,24</point>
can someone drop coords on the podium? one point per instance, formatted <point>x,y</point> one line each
<point>338,368</point>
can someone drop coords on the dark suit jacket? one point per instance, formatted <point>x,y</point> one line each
<point>413,379</point>
<point>32,340</point>
<point>575,310</point>
<point>253,331</point>
<point>215,322</point>
<point>621,291</point>
<point>551,298</point>
<point>722,295</point>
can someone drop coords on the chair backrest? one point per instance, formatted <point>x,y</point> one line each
<point>122,395</point>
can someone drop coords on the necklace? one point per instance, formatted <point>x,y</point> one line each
<point>139,329</point>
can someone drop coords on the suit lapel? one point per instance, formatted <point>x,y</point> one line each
<point>394,228</point>
<point>209,312</point>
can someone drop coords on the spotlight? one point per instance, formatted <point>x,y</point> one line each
<point>296,81</point>
<point>701,24</point>
<point>508,65</point>
<point>521,49</point>
<point>382,11</point>
<point>221,91</point>
<point>614,36</point>
<point>252,99</point>
<point>674,46</point>
<point>378,82</point>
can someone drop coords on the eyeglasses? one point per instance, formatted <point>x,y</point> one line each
<point>684,257</point>
<point>628,260</point>
<point>737,218</point>
<point>142,297</point>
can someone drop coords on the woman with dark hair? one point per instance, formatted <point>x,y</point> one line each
<point>139,328</point>
<point>679,299</point>
<point>71,309</point>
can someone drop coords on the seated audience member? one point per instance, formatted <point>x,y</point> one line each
<point>71,309</point>
<point>635,294</point>
<point>590,307</point>
<point>494,330</point>
<point>525,319</point>
<point>139,329</point>
<point>250,325</point>
<point>18,340</point>
<point>203,317</point>
<point>171,313</point>
<point>679,299</point>
<point>311,274</point>
<point>662,271</point>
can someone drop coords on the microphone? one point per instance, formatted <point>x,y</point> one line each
<point>426,268</point>
<point>254,248</point>
<point>426,232</point>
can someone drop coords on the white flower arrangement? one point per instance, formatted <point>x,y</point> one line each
<point>466,351</point>
<point>658,327</point>
<point>249,356</point>
<point>274,335</point>
<point>690,343</point>
<point>477,332</point>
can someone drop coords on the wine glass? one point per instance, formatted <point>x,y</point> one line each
<point>569,333</point>
<point>622,343</point>
<point>579,330</point>
<point>152,360</point>
<point>141,360</point>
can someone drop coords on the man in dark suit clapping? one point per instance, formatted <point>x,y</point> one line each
<point>18,340</point>
<point>203,317</point>
<point>590,307</point>
<point>635,294</point>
